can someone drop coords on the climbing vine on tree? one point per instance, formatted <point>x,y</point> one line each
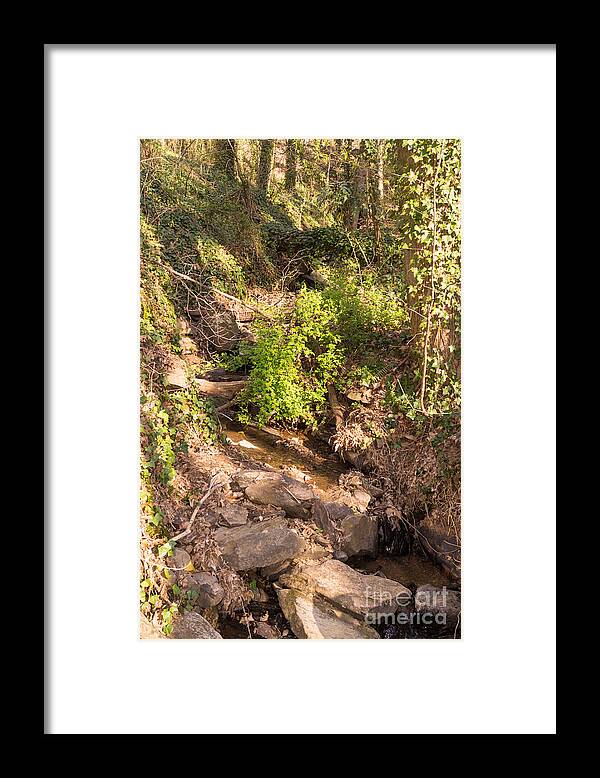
<point>431,228</point>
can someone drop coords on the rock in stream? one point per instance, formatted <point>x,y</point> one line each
<point>358,594</point>
<point>265,487</point>
<point>258,545</point>
<point>442,604</point>
<point>350,532</point>
<point>312,619</point>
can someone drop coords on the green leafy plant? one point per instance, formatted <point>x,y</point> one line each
<point>167,618</point>
<point>295,361</point>
<point>159,435</point>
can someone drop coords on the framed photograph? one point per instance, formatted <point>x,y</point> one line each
<point>299,299</point>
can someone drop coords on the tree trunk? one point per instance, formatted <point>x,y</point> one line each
<point>347,177</point>
<point>265,163</point>
<point>225,389</point>
<point>336,408</point>
<point>225,157</point>
<point>291,160</point>
<point>359,186</point>
<point>380,172</point>
<point>378,213</point>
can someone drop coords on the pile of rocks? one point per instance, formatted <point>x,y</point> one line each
<point>259,528</point>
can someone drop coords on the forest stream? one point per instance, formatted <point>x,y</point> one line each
<point>300,388</point>
<point>304,458</point>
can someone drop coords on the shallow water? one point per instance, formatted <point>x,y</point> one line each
<point>284,450</point>
<point>411,570</point>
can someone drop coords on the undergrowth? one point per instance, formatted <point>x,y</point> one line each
<point>294,361</point>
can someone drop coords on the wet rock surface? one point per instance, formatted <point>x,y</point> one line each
<point>442,603</point>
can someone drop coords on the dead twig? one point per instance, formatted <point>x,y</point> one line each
<point>215,482</point>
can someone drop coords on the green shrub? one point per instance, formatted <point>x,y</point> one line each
<point>277,384</point>
<point>293,362</point>
<point>362,310</point>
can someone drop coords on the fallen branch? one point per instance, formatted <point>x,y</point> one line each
<point>334,404</point>
<point>225,389</point>
<point>215,482</point>
<point>225,406</point>
<point>241,302</point>
<point>216,291</point>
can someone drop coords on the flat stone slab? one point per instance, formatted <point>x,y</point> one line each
<point>314,620</point>
<point>347,589</point>
<point>258,545</point>
<point>268,488</point>
<point>193,626</point>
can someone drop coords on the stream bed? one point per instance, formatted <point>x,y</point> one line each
<point>306,459</point>
<point>288,451</point>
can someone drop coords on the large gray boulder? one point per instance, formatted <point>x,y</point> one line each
<point>354,534</point>
<point>358,594</point>
<point>258,545</point>
<point>265,487</point>
<point>312,619</point>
